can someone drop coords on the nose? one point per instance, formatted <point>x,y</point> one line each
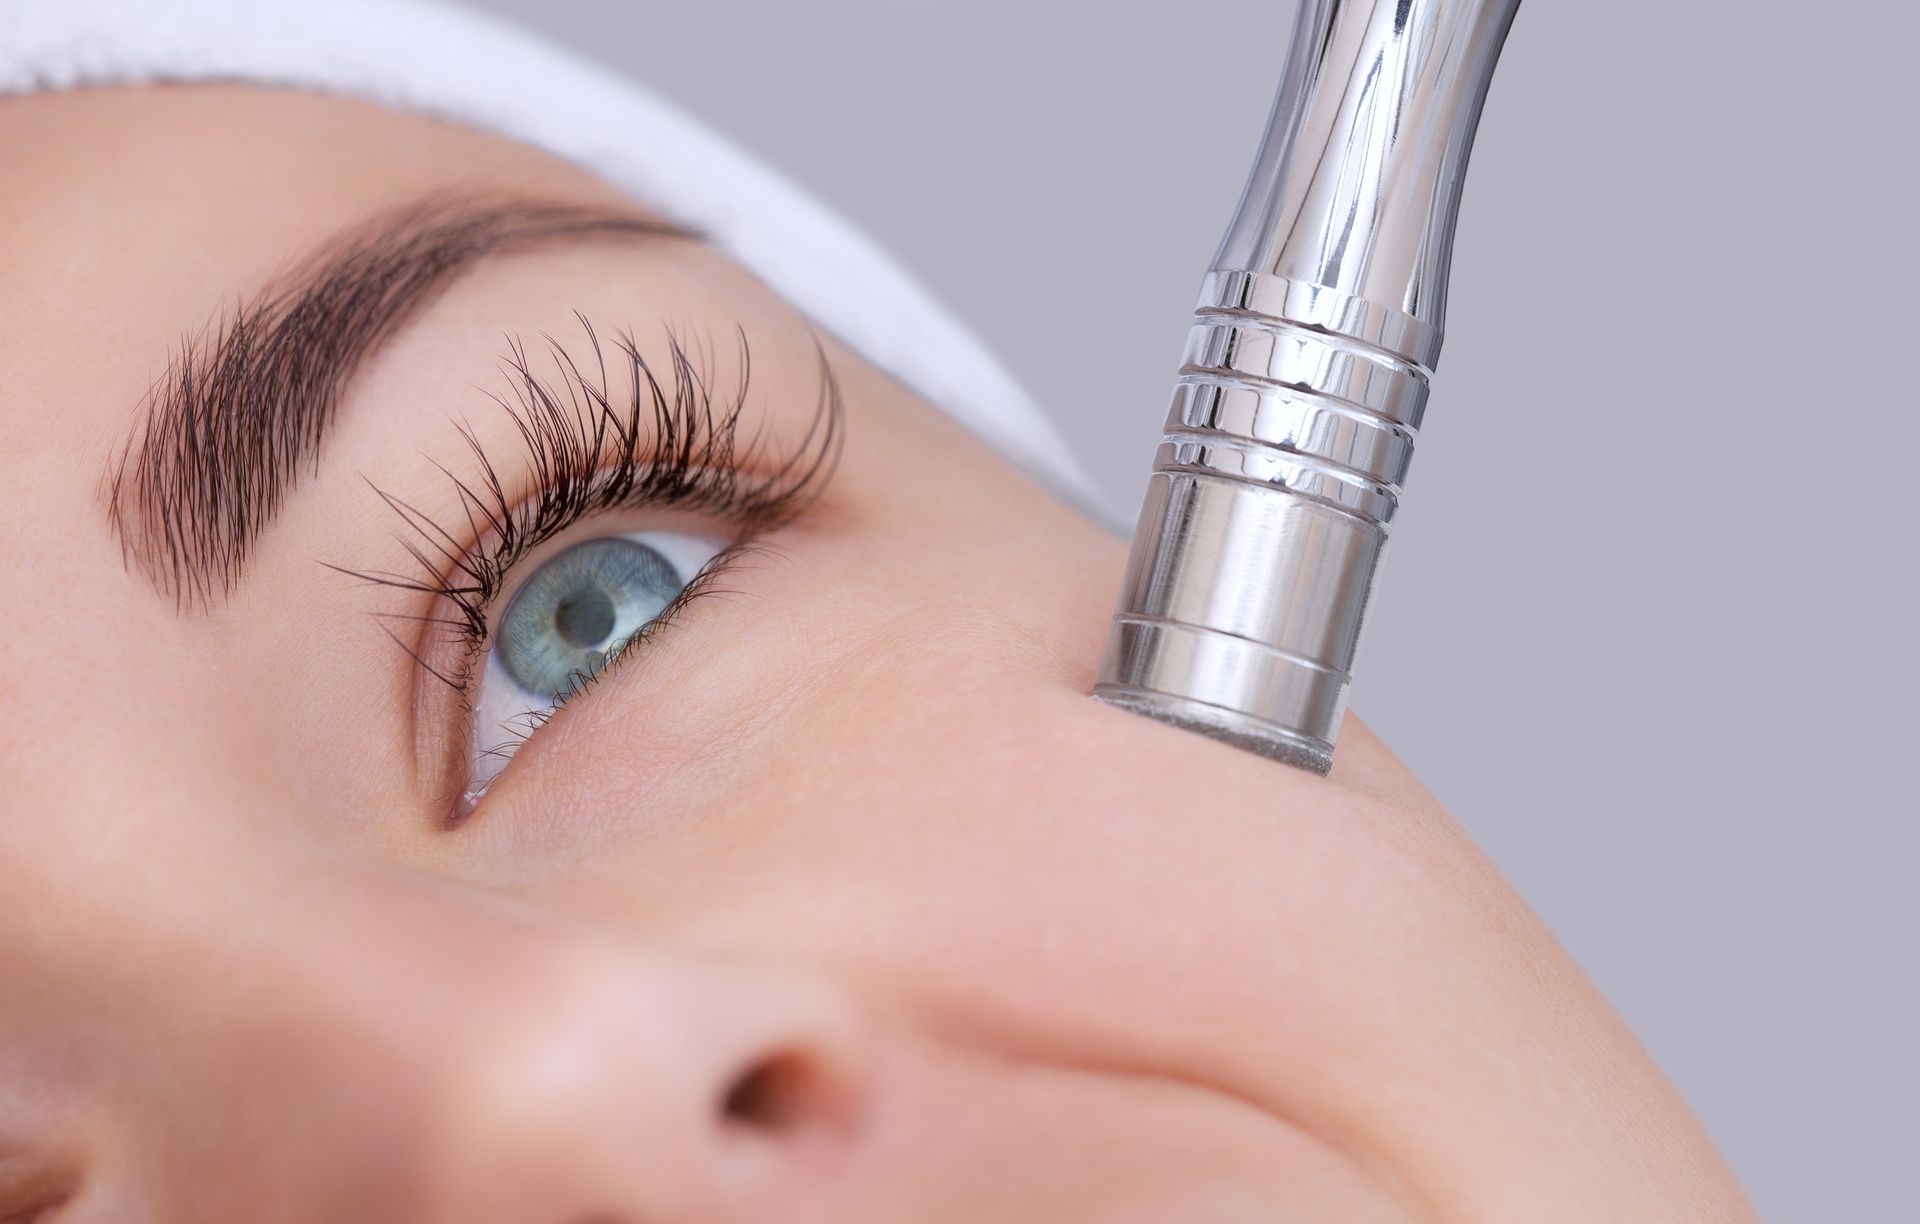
<point>616,1090</point>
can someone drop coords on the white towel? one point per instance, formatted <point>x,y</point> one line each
<point>432,58</point>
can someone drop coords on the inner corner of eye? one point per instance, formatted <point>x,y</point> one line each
<point>568,617</point>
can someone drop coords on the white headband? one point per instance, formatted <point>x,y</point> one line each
<point>428,57</point>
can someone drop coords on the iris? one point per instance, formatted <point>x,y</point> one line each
<point>577,611</point>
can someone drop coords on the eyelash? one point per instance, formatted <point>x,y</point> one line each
<point>673,442</point>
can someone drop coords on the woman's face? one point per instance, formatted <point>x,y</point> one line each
<point>359,862</point>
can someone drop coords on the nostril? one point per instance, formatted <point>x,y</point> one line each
<point>793,1081</point>
<point>779,1095</point>
<point>792,1094</point>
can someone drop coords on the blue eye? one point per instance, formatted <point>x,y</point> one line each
<point>569,618</point>
<point>579,608</point>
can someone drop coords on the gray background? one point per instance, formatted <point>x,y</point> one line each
<point>1647,624</point>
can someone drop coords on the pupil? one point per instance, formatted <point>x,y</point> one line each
<point>586,619</point>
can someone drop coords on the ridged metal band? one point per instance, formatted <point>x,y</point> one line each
<point>1263,294</point>
<point>1276,479</point>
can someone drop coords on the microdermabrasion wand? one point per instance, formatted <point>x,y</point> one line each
<point>1303,381</point>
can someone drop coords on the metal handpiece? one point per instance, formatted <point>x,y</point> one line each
<point>1303,381</point>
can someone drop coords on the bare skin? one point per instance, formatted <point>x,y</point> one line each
<point>837,900</point>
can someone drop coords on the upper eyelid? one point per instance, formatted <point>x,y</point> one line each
<point>671,445</point>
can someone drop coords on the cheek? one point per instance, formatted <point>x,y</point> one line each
<point>888,767</point>
<point>962,838</point>
<point>883,774</point>
<point>820,674</point>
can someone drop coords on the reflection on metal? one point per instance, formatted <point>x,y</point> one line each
<point>1304,380</point>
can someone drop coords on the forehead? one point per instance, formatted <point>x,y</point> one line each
<point>135,218</point>
<point>129,204</point>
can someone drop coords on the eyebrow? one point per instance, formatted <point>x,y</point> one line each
<point>243,411</point>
